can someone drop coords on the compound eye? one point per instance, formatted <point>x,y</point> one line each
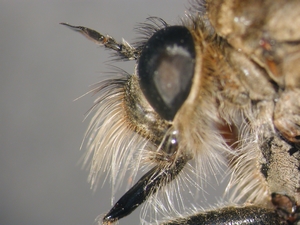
<point>166,69</point>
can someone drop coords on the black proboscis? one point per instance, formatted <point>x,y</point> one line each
<point>144,188</point>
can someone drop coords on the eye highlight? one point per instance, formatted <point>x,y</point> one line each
<point>166,69</point>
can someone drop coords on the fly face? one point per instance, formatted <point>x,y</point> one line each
<point>221,88</point>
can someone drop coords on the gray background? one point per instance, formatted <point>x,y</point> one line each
<point>43,68</point>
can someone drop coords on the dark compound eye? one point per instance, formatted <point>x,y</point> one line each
<point>166,69</point>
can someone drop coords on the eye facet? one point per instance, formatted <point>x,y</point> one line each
<point>166,69</point>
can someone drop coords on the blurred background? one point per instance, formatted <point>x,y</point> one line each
<point>43,67</point>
